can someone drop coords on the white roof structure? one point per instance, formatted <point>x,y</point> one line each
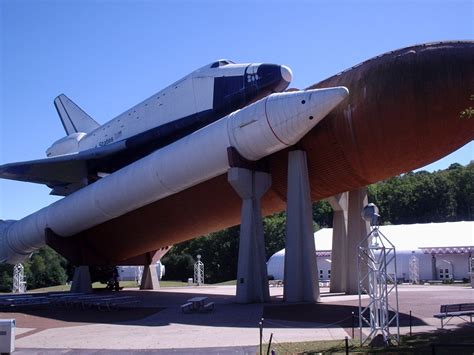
<point>448,237</point>
<point>455,238</point>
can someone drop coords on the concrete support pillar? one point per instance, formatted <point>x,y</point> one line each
<point>150,279</point>
<point>252,279</point>
<point>357,230</point>
<point>434,269</point>
<point>339,265</point>
<point>301,270</point>
<point>81,281</point>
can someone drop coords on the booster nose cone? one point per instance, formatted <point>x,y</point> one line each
<point>280,120</point>
<point>292,115</point>
<point>286,73</point>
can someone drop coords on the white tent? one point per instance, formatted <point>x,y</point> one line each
<point>450,243</point>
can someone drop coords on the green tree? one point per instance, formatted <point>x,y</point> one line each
<point>219,253</point>
<point>45,268</point>
<point>462,180</point>
<point>322,214</point>
<point>274,231</point>
<point>423,197</point>
<point>178,267</point>
<point>6,280</point>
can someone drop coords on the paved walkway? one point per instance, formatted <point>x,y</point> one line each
<point>230,328</point>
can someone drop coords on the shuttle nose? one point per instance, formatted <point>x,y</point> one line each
<point>274,77</point>
<point>286,73</point>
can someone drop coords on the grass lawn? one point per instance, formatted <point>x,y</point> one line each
<point>58,288</point>
<point>124,284</point>
<point>173,283</point>
<point>98,285</point>
<point>230,282</point>
<point>420,343</point>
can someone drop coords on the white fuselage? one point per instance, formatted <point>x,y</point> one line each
<point>190,95</point>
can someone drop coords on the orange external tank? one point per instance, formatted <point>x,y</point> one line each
<point>406,108</point>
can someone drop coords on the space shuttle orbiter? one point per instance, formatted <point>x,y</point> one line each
<point>90,151</point>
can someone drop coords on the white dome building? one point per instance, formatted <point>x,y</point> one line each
<point>443,251</point>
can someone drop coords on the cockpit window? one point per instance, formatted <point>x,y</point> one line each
<point>221,63</point>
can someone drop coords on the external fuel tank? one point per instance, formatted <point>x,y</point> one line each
<point>406,109</point>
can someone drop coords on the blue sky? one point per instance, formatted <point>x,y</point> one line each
<point>109,55</point>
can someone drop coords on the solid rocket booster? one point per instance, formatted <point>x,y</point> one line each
<point>265,127</point>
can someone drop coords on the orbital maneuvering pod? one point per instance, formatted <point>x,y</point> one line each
<point>265,127</point>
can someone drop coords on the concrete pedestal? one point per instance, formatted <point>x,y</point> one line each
<point>339,266</point>
<point>357,230</point>
<point>301,271</point>
<point>252,279</point>
<point>81,281</point>
<point>434,268</point>
<point>471,267</point>
<point>150,279</point>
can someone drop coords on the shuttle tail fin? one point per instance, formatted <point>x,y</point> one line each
<point>73,118</point>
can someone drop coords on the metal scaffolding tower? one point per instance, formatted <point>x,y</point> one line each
<point>19,283</point>
<point>376,253</point>
<point>414,270</point>
<point>198,272</point>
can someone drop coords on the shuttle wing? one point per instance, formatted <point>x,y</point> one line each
<point>51,171</point>
<point>75,170</point>
<point>65,173</point>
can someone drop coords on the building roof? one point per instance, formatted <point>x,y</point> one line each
<point>445,237</point>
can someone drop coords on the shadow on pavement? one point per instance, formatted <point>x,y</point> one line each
<point>335,315</point>
<point>163,308</point>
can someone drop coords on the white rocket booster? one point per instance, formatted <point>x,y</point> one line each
<point>267,126</point>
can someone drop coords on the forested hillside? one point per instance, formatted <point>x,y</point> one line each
<point>421,197</point>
